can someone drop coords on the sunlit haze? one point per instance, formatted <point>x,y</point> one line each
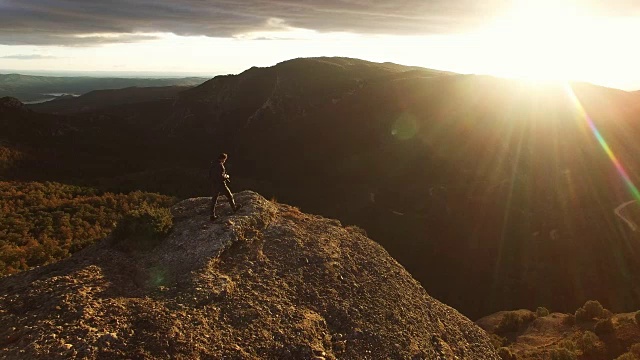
<point>537,40</point>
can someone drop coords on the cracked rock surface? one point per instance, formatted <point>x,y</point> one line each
<point>267,282</point>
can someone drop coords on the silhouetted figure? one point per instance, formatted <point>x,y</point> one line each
<point>219,179</point>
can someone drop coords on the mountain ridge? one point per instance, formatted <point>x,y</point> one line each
<point>37,88</point>
<point>97,100</point>
<point>443,171</point>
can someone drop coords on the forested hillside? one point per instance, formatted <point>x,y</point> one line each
<point>44,222</point>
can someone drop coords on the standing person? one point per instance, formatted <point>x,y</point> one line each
<point>219,179</point>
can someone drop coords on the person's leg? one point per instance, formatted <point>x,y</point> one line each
<point>229,196</point>
<point>214,201</point>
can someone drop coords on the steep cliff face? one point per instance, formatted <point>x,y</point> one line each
<point>266,282</point>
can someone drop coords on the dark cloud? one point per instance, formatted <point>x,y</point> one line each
<point>27,57</point>
<point>40,22</point>
<point>70,39</point>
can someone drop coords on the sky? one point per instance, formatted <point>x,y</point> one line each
<point>540,40</point>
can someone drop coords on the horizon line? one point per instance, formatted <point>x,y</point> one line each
<point>134,74</point>
<point>108,73</point>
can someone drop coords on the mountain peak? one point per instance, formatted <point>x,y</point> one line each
<point>266,282</point>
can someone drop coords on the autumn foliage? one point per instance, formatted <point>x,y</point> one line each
<point>44,222</point>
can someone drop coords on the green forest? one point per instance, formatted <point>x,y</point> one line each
<point>43,222</point>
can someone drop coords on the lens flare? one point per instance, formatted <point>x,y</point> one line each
<point>157,277</point>
<point>623,173</point>
<point>405,127</point>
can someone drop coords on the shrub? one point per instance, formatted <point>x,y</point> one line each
<point>542,311</point>
<point>142,229</point>
<point>569,320</point>
<point>637,316</point>
<point>581,315</point>
<point>588,343</point>
<point>291,212</point>
<point>593,308</point>
<point>604,327</point>
<point>563,354</point>
<point>528,317</point>
<point>626,356</point>
<point>497,341</point>
<point>590,310</point>
<point>568,344</point>
<point>513,321</point>
<point>506,354</point>
<point>510,322</point>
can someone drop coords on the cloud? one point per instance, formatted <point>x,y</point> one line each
<point>58,22</point>
<point>28,57</point>
<point>70,39</point>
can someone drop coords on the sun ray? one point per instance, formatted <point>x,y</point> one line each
<point>499,264</point>
<point>607,149</point>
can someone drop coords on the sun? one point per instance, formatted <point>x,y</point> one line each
<point>532,39</point>
<point>545,40</point>
<point>540,41</point>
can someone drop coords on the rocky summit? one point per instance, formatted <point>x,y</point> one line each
<point>267,282</point>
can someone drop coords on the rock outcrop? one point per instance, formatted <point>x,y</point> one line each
<point>268,282</point>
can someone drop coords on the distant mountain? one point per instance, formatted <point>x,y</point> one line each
<point>19,124</point>
<point>493,193</point>
<point>41,88</point>
<point>100,99</point>
<point>65,147</point>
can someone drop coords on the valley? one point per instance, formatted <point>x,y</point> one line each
<point>495,194</point>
